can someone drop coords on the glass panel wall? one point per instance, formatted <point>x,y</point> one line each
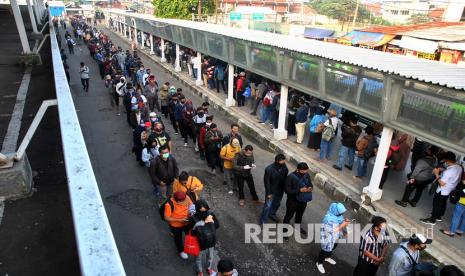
<point>216,45</point>
<point>342,81</point>
<point>436,110</point>
<point>370,93</point>
<point>239,52</point>
<point>263,58</point>
<point>301,69</point>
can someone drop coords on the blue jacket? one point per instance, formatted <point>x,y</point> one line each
<point>178,108</point>
<point>301,114</point>
<point>219,72</point>
<point>316,120</point>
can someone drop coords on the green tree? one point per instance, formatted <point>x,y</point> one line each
<point>342,10</point>
<point>181,8</point>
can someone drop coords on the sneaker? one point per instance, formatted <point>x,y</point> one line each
<point>401,203</point>
<point>337,168</point>
<point>439,219</point>
<point>241,203</point>
<point>274,218</point>
<point>320,267</point>
<point>348,167</point>
<point>262,123</point>
<point>183,256</point>
<point>445,232</point>
<point>185,144</point>
<point>213,171</point>
<point>230,192</point>
<point>119,114</point>
<point>428,221</point>
<point>413,203</point>
<point>176,133</point>
<point>330,261</point>
<point>196,149</point>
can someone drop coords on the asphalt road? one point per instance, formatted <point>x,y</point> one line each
<point>142,238</point>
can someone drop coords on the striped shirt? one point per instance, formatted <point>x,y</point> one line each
<point>373,244</point>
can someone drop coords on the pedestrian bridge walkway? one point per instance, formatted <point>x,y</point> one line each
<point>421,97</point>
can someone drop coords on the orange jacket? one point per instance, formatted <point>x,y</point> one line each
<point>192,183</point>
<point>180,211</point>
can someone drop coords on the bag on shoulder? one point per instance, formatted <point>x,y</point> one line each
<point>328,132</point>
<point>320,128</point>
<point>247,92</point>
<point>162,207</point>
<point>268,100</point>
<point>206,233</point>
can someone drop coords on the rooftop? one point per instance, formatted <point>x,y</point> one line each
<point>397,30</point>
<point>449,75</point>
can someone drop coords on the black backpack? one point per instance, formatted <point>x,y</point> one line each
<point>206,234</point>
<point>162,207</point>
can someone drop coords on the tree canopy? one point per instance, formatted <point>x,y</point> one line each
<point>180,8</point>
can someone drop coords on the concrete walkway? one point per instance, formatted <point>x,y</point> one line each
<point>340,185</point>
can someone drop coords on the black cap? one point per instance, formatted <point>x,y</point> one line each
<point>302,166</point>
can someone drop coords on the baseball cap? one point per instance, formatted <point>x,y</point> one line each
<point>419,239</point>
<point>179,196</point>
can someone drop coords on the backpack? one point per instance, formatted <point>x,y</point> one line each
<point>370,149</point>
<point>206,234</point>
<point>329,132</point>
<point>162,208</point>
<point>268,100</point>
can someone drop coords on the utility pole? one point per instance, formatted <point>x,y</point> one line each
<point>355,14</point>
<point>199,10</point>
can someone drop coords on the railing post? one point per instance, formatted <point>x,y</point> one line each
<point>20,25</point>
<point>163,58</point>
<point>230,99</point>
<point>281,133</point>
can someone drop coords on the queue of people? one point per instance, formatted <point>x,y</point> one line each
<point>193,224</point>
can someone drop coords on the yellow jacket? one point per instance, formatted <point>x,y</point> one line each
<point>193,183</point>
<point>229,151</point>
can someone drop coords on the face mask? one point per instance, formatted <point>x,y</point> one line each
<point>166,155</point>
<point>421,248</point>
<point>445,165</point>
<point>383,230</point>
<point>153,119</point>
<point>158,130</point>
<point>208,124</point>
<point>200,114</point>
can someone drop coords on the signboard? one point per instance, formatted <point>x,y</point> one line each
<point>235,16</point>
<point>258,16</point>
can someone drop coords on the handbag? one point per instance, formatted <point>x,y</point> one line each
<point>191,245</point>
<point>247,93</point>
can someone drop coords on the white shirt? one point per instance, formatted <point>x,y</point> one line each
<point>334,122</point>
<point>451,177</point>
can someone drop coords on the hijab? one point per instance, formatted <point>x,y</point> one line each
<point>334,214</point>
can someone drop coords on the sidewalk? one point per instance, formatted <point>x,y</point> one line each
<point>336,184</point>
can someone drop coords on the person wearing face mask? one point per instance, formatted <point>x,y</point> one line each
<point>447,180</point>
<point>164,98</point>
<point>154,119</point>
<point>199,121</point>
<point>227,154</point>
<point>407,255</point>
<point>274,180</point>
<point>149,152</point>
<point>178,110</point>
<point>140,75</point>
<point>119,93</point>
<point>151,93</point>
<point>173,101</point>
<point>373,248</point>
<point>163,171</point>
<point>332,229</point>
<point>244,163</point>
<point>299,190</point>
<point>187,126</point>
<point>161,136</point>
<point>201,140</point>
<point>212,141</point>
<point>203,225</point>
<point>225,268</point>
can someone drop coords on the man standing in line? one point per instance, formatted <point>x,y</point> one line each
<point>407,255</point>
<point>151,93</point>
<point>84,72</point>
<point>350,134</point>
<point>274,180</point>
<point>447,181</point>
<point>301,117</point>
<point>299,190</point>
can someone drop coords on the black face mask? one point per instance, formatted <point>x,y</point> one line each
<point>201,114</point>
<point>203,215</point>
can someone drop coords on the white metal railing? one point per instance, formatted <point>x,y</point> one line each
<point>98,254</point>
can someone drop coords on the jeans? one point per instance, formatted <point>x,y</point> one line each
<point>209,252</point>
<point>223,86</point>
<point>325,149</point>
<point>266,114</point>
<point>228,178</point>
<point>266,211</point>
<point>85,84</point>
<point>458,219</point>
<point>362,165</point>
<point>277,197</point>
<point>343,153</point>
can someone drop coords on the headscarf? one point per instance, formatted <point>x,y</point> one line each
<point>198,205</point>
<point>334,214</point>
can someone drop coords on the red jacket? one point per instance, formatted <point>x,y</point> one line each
<point>203,131</point>
<point>240,81</point>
